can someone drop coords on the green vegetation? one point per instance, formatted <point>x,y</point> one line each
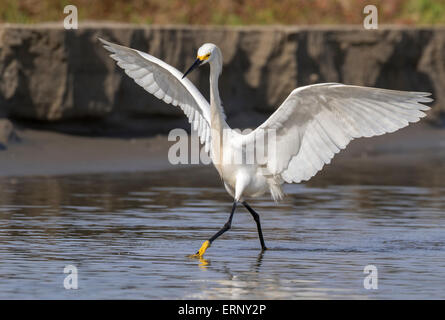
<point>226,12</point>
<point>425,11</point>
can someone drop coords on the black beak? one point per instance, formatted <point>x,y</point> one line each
<point>193,67</point>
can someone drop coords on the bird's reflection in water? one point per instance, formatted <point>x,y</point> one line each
<point>259,261</point>
<point>203,263</point>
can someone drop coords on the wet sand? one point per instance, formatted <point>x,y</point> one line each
<point>51,153</point>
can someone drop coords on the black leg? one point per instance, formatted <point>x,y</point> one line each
<point>207,243</point>
<point>226,226</point>
<point>256,217</point>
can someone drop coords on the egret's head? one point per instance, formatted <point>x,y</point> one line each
<point>206,53</point>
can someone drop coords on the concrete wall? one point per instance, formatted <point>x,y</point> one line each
<point>66,81</point>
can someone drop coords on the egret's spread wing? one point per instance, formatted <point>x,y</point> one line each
<point>164,82</point>
<point>315,122</point>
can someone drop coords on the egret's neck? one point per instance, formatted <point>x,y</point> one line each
<point>217,117</point>
<point>216,110</point>
<point>214,92</point>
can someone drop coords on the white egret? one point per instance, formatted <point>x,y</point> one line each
<point>312,124</point>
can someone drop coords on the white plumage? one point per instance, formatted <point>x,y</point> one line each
<point>313,124</point>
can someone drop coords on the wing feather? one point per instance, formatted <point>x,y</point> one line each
<point>315,122</point>
<point>165,83</point>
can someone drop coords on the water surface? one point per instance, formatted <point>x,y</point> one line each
<point>129,235</point>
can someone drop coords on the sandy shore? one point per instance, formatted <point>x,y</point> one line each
<point>51,153</point>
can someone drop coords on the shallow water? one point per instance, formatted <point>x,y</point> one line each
<point>129,235</point>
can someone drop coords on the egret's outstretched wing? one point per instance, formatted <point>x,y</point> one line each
<point>315,122</point>
<point>164,82</point>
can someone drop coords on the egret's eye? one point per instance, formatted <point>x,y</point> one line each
<point>204,57</point>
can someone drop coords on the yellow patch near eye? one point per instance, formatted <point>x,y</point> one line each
<point>204,57</point>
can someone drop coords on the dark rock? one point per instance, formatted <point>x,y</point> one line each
<point>57,76</point>
<point>6,133</point>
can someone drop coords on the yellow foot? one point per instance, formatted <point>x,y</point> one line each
<point>202,250</point>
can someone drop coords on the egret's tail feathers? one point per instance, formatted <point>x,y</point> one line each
<point>276,191</point>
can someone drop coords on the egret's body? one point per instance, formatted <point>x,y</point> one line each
<point>313,124</point>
